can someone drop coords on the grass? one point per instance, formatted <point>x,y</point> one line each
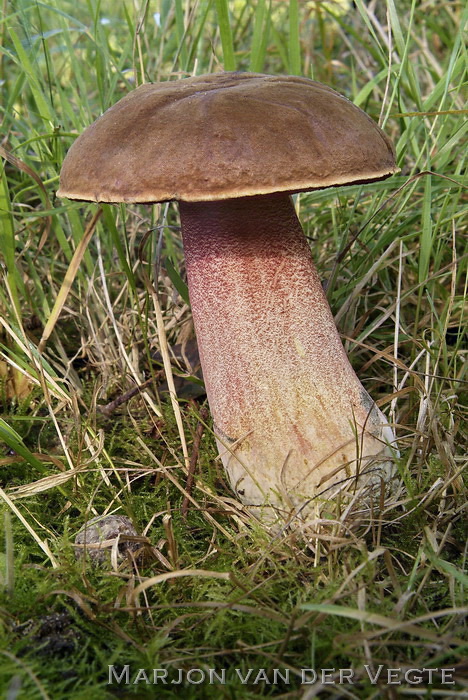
<point>213,589</point>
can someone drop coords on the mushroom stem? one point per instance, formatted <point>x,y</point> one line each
<point>290,415</point>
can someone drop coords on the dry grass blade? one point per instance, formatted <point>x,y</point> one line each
<point>68,280</point>
<point>161,578</point>
<point>43,370</point>
<point>168,372</point>
<point>41,485</point>
<point>42,543</point>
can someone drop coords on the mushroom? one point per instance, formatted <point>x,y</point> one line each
<point>291,418</point>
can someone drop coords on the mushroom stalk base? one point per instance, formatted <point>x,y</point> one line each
<point>293,422</point>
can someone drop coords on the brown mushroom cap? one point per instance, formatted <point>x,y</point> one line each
<point>223,136</point>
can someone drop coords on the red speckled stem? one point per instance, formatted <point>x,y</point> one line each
<point>290,414</point>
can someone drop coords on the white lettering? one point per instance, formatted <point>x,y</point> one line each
<point>159,674</point>
<point>346,674</point>
<point>179,678</point>
<point>278,676</point>
<point>305,672</point>
<point>373,679</point>
<point>447,673</point>
<point>141,676</point>
<point>195,671</point>
<point>327,678</point>
<point>412,677</point>
<point>393,676</point>
<point>215,677</point>
<point>125,673</point>
<point>430,673</point>
<point>261,677</point>
<point>244,679</point>
<point>309,676</point>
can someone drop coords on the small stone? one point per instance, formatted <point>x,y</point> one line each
<point>98,537</point>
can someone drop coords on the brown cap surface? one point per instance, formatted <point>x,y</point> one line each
<point>221,136</point>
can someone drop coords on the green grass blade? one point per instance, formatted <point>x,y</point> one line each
<point>376,43</point>
<point>44,109</point>
<point>109,222</point>
<point>426,232</point>
<point>177,281</point>
<point>280,46</point>
<point>180,31</point>
<point>259,36</point>
<point>7,241</point>
<point>9,557</point>
<point>386,622</point>
<point>294,40</point>
<point>222,11</point>
<point>447,568</point>
<point>15,443</point>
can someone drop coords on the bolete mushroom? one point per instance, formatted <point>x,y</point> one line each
<point>292,419</point>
